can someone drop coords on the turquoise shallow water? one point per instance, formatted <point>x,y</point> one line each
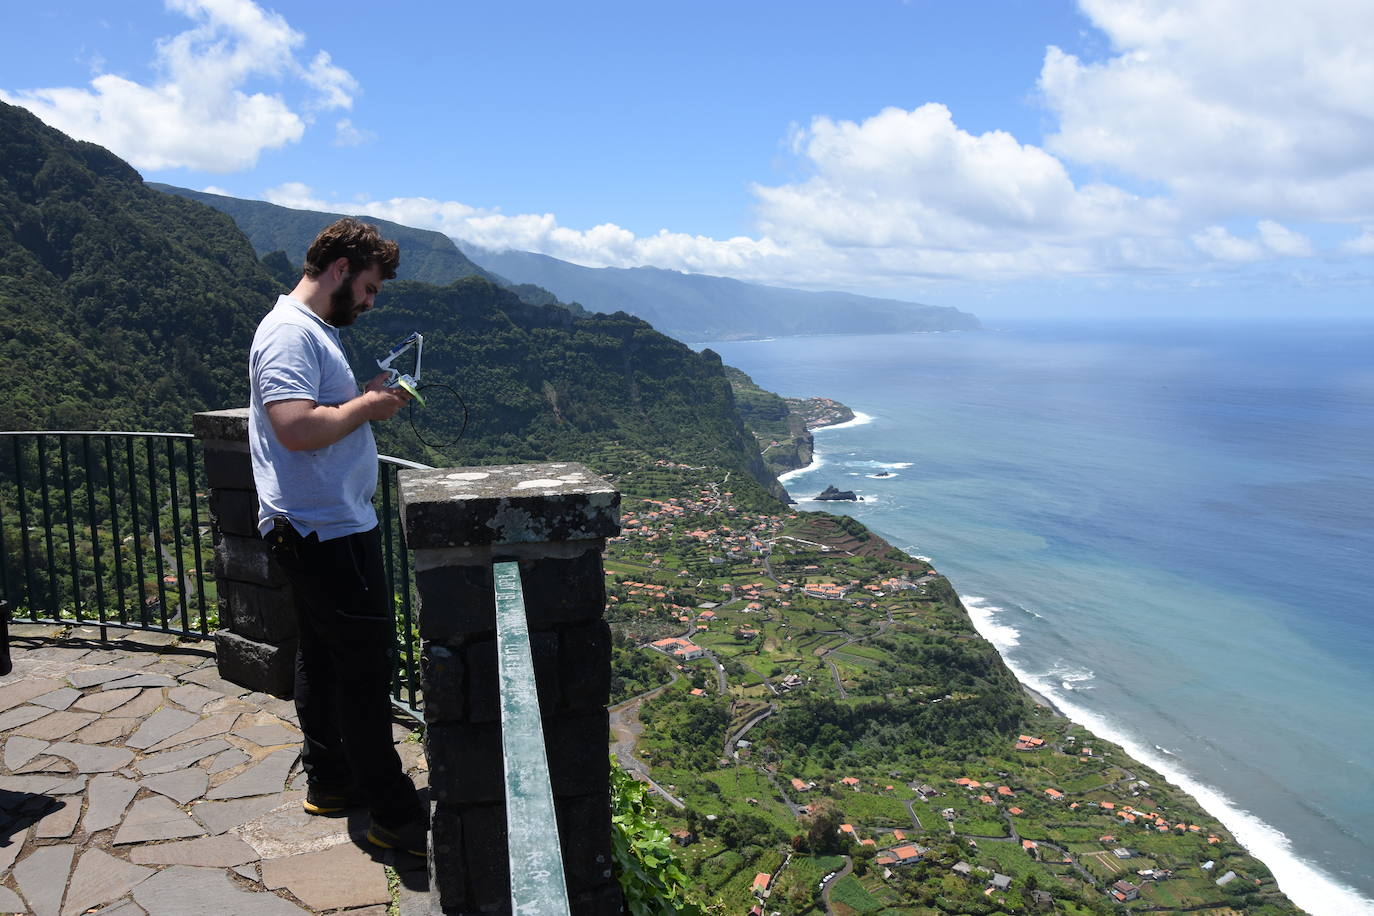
<point>1166,529</point>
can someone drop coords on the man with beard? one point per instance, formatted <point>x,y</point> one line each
<point>315,465</point>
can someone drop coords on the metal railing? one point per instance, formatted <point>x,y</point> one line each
<point>105,529</point>
<point>109,529</point>
<point>406,681</point>
<point>537,882</point>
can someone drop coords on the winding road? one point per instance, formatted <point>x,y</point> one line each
<point>626,729</point>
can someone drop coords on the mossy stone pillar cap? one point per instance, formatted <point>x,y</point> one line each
<point>506,504</point>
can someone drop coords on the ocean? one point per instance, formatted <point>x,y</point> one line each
<point>1166,529</point>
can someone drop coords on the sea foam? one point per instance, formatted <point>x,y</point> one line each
<point>817,460</point>
<point>1307,886</point>
<point>1001,635</point>
<point>860,419</point>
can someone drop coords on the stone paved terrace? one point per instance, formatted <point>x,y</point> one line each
<point>135,780</point>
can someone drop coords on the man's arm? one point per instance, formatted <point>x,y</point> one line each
<point>302,425</point>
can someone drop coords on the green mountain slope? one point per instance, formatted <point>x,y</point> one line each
<point>120,306</point>
<point>782,426</point>
<point>697,307</point>
<point>429,257</point>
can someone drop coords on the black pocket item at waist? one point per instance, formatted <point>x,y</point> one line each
<point>284,541</point>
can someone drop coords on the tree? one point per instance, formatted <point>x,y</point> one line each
<point>823,829</point>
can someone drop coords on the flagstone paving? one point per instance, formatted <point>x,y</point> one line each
<point>135,780</point>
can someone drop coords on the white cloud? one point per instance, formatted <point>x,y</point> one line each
<point>198,113</point>
<point>1361,244</point>
<point>335,85</point>
<point>1272,239</point>
<point>1205,114</point>
<point>1283,241</point>
<point>297,196</point>
<point>1222,245</point>
<point>1237,106</point>
<point>606,245</point>
<point>910,190</point>
<point>345,134</point>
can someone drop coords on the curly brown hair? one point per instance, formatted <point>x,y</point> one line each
<point>356,240</point>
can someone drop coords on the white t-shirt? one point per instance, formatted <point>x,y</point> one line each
<point>296,354</point>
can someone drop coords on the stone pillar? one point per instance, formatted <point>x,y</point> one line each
<point>554,520</point>
<point>256,646</point>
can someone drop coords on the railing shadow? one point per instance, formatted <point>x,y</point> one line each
<point>23,810</point>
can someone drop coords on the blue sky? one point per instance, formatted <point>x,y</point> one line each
<point>1011,158</point>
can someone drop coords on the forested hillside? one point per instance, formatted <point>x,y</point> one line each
<point>120,306</point>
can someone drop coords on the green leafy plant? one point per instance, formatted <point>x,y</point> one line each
<point>651,879</point>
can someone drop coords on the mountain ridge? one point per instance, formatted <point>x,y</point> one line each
<point>692,307</point>
<point>430,257</point>
<point>719,307</point>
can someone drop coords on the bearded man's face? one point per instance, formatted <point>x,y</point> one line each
<point>343,304</point>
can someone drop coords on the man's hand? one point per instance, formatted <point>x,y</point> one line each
<point>303,425</point>
<point>383,402</point>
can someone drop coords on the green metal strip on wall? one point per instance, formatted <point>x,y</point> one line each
<point>537,885</point>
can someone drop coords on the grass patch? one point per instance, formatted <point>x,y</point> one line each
<point>854,895</point>
<point>871,811</point>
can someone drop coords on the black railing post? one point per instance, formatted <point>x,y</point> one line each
<point>23,526</point>
<point>94,527</point>
<point>137,539</point>
<point>384,482</point>
<point>54,603</point>
<point>115,547</point>
<point>155,519</point>
<point>71,526</point>
<point>195,537</point>
<point>552,521</point>
<point>4,559</point>
<point>179,559</point>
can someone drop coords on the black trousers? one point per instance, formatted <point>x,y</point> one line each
<point>344,666</point>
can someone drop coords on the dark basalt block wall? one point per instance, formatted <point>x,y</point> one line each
<point>256,646</point>
<point>553,519</point>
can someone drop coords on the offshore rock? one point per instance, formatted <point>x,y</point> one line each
<point>832,493</point>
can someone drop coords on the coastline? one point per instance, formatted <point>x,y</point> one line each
<point>1304,883</point>
<point>1038,698</point>
<point>860,419</point>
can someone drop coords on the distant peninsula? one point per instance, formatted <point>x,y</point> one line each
<point>782,426</point>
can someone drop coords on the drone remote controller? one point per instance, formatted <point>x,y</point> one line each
<point>397,379</point>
